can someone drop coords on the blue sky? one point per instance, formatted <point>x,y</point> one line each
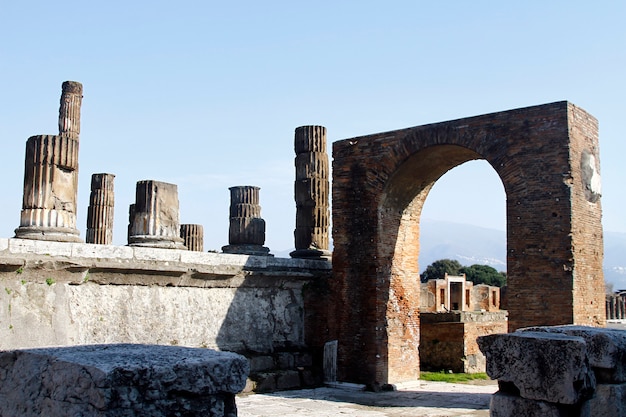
<point>207,94</point>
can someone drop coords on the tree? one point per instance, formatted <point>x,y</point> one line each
<point>439,268</point>
<point>484,274</point>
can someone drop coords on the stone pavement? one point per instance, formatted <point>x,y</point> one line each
<point>423,398</point>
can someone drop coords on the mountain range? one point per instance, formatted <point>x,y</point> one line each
<point>470,245</point>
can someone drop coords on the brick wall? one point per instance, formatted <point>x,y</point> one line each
<point>554,241</point>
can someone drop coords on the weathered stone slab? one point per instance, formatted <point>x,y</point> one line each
<point>606,349</point>
<point>542,366</point>
<point>120,380</point>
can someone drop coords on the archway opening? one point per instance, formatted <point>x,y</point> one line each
<point>464,218</point>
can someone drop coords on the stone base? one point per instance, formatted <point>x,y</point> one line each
<point>256,250</point>
<point>120,380</point>
<point>54,234</point>
<point>162,242</point>
<point>312,254</point>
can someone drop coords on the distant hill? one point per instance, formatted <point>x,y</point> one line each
<point>466,243</point>
<point>615,259</point>
<point>477,245</point>
<point>470,245</point>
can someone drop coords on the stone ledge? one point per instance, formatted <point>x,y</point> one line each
<point>107,264</point>
<point>463,316</point>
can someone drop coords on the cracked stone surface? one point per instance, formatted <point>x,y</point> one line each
<point>120,380</point>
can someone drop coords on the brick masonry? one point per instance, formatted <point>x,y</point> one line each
<point>547,157</point>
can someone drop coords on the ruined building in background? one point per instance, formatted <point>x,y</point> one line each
<point>51,176</point>
<point>456,293</point>
<point>453,313</point>
<point>246,233</point>
<point>311,193</point>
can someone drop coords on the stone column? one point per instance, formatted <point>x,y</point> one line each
<point>69,109</point>
<point>246,234</point>
<point>51,176</point>
<point>155,218</point>
<point>311,193</point>
<point>193,236</point>
<point>131,216</point>
<point>100,211</point>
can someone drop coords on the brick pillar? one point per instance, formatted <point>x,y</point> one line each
<point>193,236</point>
<point>155,218</point>
<point>51,176</point>
<point>311,193</point>
<point>246,234</point>
<point>100,211</point>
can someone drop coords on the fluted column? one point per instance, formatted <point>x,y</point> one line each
<point>51,176</point>
<point>100,211</point>
<point>155,217</point>
<point>193,236</point>
<point>69,109</point>
<point>246,233</point>
<point>311,193</point>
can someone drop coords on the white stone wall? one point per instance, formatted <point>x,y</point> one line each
<point>57,294</point>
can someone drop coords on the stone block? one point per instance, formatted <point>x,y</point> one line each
<point>606,349</point>
<point>542,366</point>
<point>309,379</point>
<point>261,363</point>
<point>265,382</point>
<point>506,405</point>
<point>84,250</point>
<point>157,254</point>
<point>303,360</point>
<point>120,380</point>
<point>285,360</point>
<point>610,400</point>
<point>39,247</point>
<point>288,380</point>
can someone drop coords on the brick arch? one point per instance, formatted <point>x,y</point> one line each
<point>547,159</point>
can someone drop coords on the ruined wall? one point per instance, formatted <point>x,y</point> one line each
<point>547,159</point>
<point>57,293</point>
<point>448,340</point>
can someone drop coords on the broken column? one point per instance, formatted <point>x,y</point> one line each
<point>193,237</point>
<point>246,234</point>
<point>51,176</point>
<point>311,193</point>
<point>100,211</point>
<point>155,217</point>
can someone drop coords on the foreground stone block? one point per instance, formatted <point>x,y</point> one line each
<point>506,405</point>
<point>606,349</point>
<point>120,380</point>
<point>542,366</point>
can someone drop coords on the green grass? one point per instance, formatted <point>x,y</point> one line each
<point>442,376</point>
